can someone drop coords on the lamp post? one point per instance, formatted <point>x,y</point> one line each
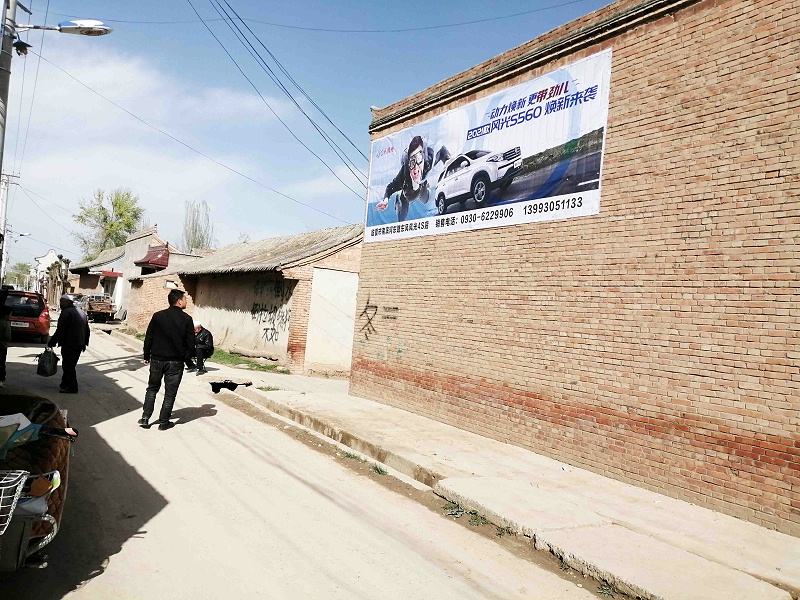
<point>10,29</point>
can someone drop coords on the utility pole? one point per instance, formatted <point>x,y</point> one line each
<point>9,31</point>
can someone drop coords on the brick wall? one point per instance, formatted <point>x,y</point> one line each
<point>656,342</point>
<point>149,295</point>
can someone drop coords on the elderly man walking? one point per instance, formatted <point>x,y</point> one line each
<point>169,341</point>
<point>72,334</point>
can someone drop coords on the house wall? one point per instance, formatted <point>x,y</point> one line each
<point>330,322</point>
<point>655,342</point>
<point>347,260</point>
<point>150,295</point>
<point>251,311</point>
<point>136,246</point>
<point>264,312</point>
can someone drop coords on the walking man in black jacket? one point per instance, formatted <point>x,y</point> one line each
<point>72,334</point>
<point>169,341</point>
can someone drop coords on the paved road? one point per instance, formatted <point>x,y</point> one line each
<point>224,506</point>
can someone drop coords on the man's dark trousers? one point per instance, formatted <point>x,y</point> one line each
<point>69,358</point>
<point>172,373</point>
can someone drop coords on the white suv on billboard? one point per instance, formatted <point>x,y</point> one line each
<point>474,174</point>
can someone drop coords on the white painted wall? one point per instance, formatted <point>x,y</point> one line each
<point>249,310</point>
<point>331,320</point>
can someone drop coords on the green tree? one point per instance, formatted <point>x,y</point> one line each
<point>110,219</point>
<point>198,232</point>
<point>18,274</point>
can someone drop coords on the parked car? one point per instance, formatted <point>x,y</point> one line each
<point>29,314</point>
<point>475,174</point>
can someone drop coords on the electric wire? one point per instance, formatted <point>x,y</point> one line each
<point>36,204</point>
<point>33,94</point>
<point>45,199</point>
<point>21,98</point>
<point>367,31</point>
<point>187,146</point>
<point>240,35</point>
<point>268,104</point>
<point>349,164</point>
<point>297,85</point>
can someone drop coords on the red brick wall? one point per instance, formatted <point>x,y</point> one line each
<point>149,295</point>
<point>656,342</point>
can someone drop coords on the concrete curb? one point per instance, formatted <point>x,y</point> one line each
<point>586,541</point>
<point>359,444</point>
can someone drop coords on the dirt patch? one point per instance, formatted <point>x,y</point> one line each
<point>518,545</point>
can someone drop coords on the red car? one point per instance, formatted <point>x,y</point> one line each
<point>29,314</point>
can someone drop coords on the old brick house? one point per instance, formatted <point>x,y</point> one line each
<point>289,298</point>
<point>653,338</point>
<point>143,252</point>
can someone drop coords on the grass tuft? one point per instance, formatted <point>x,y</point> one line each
<point>379,470</point>
<point>269,388</point>
<point>223,357</point>
<point>476,519</point>
<point>453,509</point>
<point>354,456</point>
<point>606,589</point>
<point>501,531</point>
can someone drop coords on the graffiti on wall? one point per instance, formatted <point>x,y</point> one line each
<point>369,314</point>
<point>273,314</point>
<point>280,289</point>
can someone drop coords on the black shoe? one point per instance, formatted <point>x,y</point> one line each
<point>165,426</point>
<point>202,372</point>
<point>66,391</point>
<point>144,423</point>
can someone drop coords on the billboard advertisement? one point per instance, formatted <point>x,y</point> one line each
<point>532,152</point>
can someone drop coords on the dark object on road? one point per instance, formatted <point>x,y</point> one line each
<point>216,386</point>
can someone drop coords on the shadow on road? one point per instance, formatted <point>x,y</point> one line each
<point>190,413</point>
<point>108,502</point>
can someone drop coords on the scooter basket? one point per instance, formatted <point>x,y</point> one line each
<point>40,456</point>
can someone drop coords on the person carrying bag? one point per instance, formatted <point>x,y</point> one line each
<point>48,363</point>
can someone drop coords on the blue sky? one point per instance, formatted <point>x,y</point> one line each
<point>162,65</point>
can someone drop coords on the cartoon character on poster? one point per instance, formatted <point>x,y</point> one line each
<point>411,182</point>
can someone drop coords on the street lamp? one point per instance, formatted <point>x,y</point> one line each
<point>88,27</point>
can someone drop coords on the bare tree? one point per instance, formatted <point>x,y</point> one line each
<point>243,237</point>
<point>198,231</point>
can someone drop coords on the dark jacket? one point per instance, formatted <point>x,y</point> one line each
<point>72,330</point>
<point>203,340</point>
<point>402,180</point>
<point>170,336</point>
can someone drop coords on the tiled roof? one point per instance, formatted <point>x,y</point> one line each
<point>105,257</point>
<point>271,254</point>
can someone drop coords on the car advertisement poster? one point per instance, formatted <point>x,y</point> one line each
<point>532,152</point>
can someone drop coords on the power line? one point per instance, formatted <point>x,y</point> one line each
<point>240,35</point>
<point>187,146</point>
<point>297,85</point>
<point>46,200</point>
<point>69,231</point>
<point>33,95</point>
<point>349,164</point>
<point>224,49</point>
<point>367,31</point>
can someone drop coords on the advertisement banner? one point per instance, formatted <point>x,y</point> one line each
<point>532,152</point>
